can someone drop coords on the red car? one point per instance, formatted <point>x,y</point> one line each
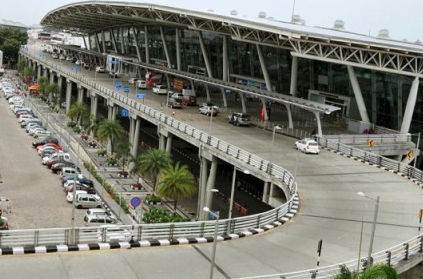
<point>55,145</point>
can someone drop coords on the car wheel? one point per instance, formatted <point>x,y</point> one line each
<point>79,207</point>
<point>305,151</point>
<point>98,206</point>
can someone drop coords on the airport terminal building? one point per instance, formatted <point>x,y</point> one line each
<point>371,79</point>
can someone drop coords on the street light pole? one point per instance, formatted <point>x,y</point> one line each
<point>273,144</point>
<point>231,203</point>
<point>369,256</point>
<point>216,230</point>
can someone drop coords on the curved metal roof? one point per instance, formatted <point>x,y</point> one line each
<point>90,16</point>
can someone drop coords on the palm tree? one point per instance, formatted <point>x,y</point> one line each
<point>123,149</point>
<point>91,123</point>
<point>78,110</point>
<point>152,162</point>
<point>42,85</point>
<point>29,72</point>
<point>176,182</point>
<point>53,89</point>
<point>109,130</point>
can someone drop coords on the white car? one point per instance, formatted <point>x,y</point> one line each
<point>79,62</point>
<point>100,69</point>
<point>25,116</point>
<point>35,129</point>
<point>41,133</point>
<point>160,89</point>
<point>208,110</point>
<point>100,212</point>
<point>69,196</point>
<point>307,146</point>
<point>112,233</point>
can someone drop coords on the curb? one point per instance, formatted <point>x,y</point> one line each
<point>23,250</point>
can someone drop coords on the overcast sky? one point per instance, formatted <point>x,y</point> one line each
<point>403,18</point>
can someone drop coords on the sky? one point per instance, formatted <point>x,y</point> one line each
<point>402,18</point>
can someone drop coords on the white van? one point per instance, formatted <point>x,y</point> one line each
<point>87,201</point>
<point>142,84</point>
<point>68,171</point>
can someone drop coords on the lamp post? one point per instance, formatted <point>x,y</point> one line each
<point>231,204</point>
<point>216,229</point>
<point>74,189</point>
<point>273,144</point>
<point>373,226</point>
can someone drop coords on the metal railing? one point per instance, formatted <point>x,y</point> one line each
<point>392,256</point>
<point>373,158</point>
<point>364,138</point>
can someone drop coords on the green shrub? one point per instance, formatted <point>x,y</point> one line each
<point>111,161</point>
<point>160,216</point>
<point>71,124</point>
<point>77,129</point>
<point>101,152</point>
<point>153,199</point>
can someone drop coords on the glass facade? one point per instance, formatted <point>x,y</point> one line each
<point>385,94</point>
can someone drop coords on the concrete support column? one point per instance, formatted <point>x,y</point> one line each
<point>294,77</point>
<point>162,142</point>
<point>131,130</point>
<point>97,43</point>
<point>136,137</point>
<point>85,43</point>
<point>409,109</point>
<point>169,143</point>
<point>225,64</point>
<point>122,45</point>
<point>272,188</point>
<point>358,96</point>
<point>319,123</point>
<point>68,95</point>
<point>288,110</point>
<point>115,111</point>
<point>103,41</point>
<point>210,183</point>
<point>264,69</point>
<point>166,50</point>
<point>225,101</point>
<point>137,48</point>
<point>399,100</point>
<point>202,187</point>
<point>205,56</point>
<point>178,50</point>
<point>94,105</point>
<point>147,49</point>
<point>244,107</point>
<point>265,197</point>
<point>109,112</point>
<point>207,92</point>
<point>39,68</point>
<point>80,98</point>
<point>59,94</point>
<point>374,97</point>
<point>113,38</point>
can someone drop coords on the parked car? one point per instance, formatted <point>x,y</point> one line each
<point>79,187</point>
<point>210,104</point>
<point>69,195</point>
<point>56,168</point>
<point>239,119</point>
<point>87,201</point>
<point>142,84</point>
<point>132,80</point>
<point>100,212</point>
<point>80,179</point>
<point>307,145</point>
<point>42,141</point>
<point>56,155</point>
<point>100,69</point>
<point>208,110</point>
<point>41,133</point>
<point>97,220</point>
<point>46,153</point>
<point>55,145</point>
<point>160,89</point>
<point>114,74</point>
<point>174,103</point>
<point>112,233</point>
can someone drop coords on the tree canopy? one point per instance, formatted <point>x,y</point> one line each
<point>11,40</point>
